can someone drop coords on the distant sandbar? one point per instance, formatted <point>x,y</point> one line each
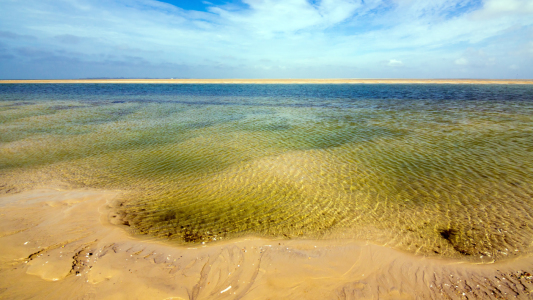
<point>281,81</point>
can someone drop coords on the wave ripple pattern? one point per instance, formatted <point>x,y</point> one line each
<point>432,169</point>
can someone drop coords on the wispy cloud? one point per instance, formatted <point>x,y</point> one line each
<point>268,38</point>
<point>395,63</point>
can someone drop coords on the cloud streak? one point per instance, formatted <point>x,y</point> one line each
<point>268,38</point>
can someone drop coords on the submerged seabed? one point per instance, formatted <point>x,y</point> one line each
<point>433,169</point>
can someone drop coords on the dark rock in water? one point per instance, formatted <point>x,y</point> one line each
<point>447,234</point>
<point>192,237</point>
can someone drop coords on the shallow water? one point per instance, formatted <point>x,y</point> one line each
<point>433,169</point>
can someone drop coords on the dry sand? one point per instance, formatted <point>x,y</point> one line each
<point>60,244</point>
<point>284,81</point>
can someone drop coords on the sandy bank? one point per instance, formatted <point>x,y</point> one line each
<point>60,245</point>
<point>284,81</point>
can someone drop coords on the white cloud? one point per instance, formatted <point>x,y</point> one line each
<point>268,17</point>
<point>395,63</point>
<point>461,61</point>
<point>499,8</point>
<point>327,37</point>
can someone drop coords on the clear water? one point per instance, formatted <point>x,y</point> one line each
<point>433,169</point>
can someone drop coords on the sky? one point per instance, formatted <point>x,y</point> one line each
<point>67,39</point>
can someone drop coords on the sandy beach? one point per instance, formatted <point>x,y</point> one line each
<point>61,244</point>
<point>282,81</point>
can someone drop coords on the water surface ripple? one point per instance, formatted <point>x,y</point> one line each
<point>432,169</point>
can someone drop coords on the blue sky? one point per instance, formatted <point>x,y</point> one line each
<point>47,39</point>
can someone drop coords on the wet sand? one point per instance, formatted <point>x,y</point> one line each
<point>62,244</point>
<point>283,81</point>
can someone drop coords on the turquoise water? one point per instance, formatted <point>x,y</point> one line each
<point>432,169</point>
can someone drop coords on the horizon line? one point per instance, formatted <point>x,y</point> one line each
<point>271,81</point>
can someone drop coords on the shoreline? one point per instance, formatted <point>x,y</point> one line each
<point>272,81</point>
<point>59,244</point>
